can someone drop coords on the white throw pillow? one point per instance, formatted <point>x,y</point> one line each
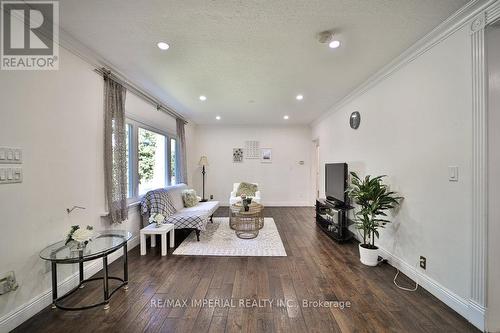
<point>176,196</point>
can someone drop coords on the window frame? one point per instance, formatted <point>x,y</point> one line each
<point>176,166</point>
<point>133,173</point>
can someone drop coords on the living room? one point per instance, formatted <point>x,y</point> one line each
<point>193,166</point>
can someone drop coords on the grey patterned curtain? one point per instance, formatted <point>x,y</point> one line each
<point>115,150</point>
<point>181,156</point>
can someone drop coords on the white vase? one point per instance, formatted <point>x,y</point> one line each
<point>77,246</point>
<point>368,257</point>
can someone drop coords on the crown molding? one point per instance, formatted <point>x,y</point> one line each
<point>88,55</point>
<point>452,24</point>
<point>493,14</point>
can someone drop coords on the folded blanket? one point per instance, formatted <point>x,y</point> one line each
<point>157,202</point>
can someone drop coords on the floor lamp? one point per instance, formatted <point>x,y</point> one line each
<point>203,163</point>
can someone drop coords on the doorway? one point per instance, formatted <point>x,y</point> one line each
<point>316,169</point>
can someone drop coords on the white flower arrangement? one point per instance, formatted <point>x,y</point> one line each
<point>80,235</point>
<point>158,219</point>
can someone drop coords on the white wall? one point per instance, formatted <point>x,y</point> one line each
<point>56,117</point>
<point>283,182</point>
<point>493,47</point>
<point>414,124</point>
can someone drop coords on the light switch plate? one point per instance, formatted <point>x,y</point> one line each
<point>453,173</point>
<point>11,155</point>
<point>11,175</point>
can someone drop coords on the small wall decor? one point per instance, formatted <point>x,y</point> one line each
<point>252,150</point>
<point>237,155</point>
<point>266,155</point>
<point>355,120</point>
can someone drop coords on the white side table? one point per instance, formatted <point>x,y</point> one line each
<point>153,230</point>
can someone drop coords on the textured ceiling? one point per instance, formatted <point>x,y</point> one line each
<point>250,58</point>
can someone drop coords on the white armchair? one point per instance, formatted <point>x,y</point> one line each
<point>234,199</point>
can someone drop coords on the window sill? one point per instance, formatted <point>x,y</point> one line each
<point>132,204</point>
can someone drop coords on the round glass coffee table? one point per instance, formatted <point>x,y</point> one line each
<point>246,223</point>
<point>100,247</point>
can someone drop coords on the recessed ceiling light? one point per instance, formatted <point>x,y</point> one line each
<point>299,97</point>
<point>285,117</point>
<point>163,46</point>
<point>334,44</point>
<point>218,117</point>
<point>203,98</point>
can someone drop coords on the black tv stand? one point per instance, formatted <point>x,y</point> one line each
<point>336,204</point>
<point>332,219</point>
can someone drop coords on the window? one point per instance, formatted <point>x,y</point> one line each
<point>151,159</point>
<point>128,132</point>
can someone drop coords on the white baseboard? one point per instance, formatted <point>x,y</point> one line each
<point>40,302</point>
<point>477,315</point>
<point>468,309</point>
<point>279,204</point>
<point>287,203</point>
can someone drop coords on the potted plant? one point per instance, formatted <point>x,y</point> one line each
<point>373,198</point>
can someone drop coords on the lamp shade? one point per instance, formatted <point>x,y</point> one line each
<point>203,161</point>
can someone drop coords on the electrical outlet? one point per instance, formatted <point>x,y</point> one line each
<point>211,197</point>
<point>8,283</point>
<point>423,262</point>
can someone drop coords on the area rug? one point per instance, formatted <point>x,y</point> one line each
<point>220,240</point>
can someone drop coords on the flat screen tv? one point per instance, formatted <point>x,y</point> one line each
<point>336,183</point>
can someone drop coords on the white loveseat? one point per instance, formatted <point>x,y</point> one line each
<point>168,202</point>
<point>234,199</point>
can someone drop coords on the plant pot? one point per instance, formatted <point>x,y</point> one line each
<point>368,256</point>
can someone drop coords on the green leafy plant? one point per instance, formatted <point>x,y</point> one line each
<point>373,198</point>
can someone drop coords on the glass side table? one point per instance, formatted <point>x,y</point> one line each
<point>100,247</point>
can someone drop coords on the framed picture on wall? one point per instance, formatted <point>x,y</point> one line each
<point>252,150</point>
<point>237,155</point>
<point>266,155</point>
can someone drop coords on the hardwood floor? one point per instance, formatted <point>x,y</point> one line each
<point>316,269</point>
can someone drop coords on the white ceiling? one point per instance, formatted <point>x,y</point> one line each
<point>250,58</point>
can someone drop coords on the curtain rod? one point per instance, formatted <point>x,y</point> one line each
<point>136,91</point>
